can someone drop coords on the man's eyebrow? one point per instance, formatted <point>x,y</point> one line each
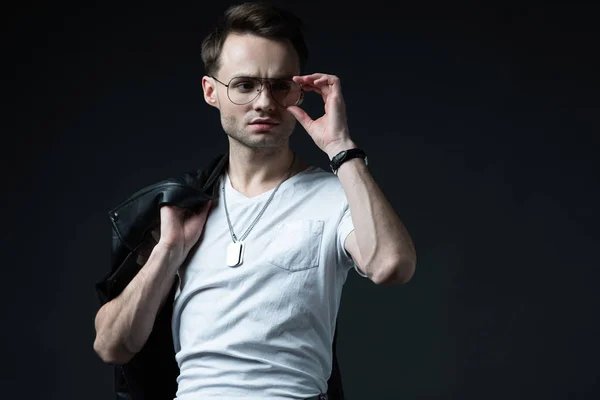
<point>285,76</point>
<point>242,75</point>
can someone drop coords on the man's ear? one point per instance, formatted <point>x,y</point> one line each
<point>210,91</point>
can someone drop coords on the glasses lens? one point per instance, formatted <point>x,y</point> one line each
<point>243,90</point>
<point>286,93</point>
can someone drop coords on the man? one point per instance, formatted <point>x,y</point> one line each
<point>261,268</point>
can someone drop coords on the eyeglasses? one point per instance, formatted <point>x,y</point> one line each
<point>243,90</point>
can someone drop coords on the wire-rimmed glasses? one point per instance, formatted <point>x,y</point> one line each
<point>243,90</point>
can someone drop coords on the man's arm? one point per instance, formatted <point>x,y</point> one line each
<point>123,325</point>
<point>380,245</point>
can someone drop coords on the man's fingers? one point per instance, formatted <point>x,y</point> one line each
<point>310,88</point>
<point>323,82</point>
<point>302,117</point>
<point>308,78</point>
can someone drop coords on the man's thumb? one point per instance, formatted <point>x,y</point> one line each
<point>301,116</point>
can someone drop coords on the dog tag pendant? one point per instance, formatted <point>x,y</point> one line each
<point>235,254</point>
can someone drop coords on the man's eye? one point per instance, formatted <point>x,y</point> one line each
<point>247,85</point>
<point>280,86</point>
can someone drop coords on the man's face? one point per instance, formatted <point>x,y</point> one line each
<point>253,56</point>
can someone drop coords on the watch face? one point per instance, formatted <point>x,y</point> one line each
<point>344,155</point>
<point>340,156</point>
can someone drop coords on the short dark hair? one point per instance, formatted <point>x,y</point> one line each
<point>257,18</point>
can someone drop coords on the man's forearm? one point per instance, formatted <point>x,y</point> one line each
<point>385,245</point>
<point>123,325</point>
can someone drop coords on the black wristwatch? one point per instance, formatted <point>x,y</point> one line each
<point>346,155</point>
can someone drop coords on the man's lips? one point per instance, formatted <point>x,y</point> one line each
<point>263,124</point>
<point>263,121</point>
<point>263,127</point>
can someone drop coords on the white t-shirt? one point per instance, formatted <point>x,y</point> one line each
<point>264,329</point>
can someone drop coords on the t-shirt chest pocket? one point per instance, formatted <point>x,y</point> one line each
<point>296,245</point>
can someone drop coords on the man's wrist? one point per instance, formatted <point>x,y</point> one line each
<point>171,255</point>
<point>338,147</point>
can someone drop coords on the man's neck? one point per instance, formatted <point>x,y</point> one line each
<point>256,171</point>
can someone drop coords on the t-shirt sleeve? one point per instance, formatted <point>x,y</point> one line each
<point>344,229</point>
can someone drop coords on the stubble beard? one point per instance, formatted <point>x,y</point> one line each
<point>268,140</point>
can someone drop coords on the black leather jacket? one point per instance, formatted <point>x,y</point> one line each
<point>152,372</point>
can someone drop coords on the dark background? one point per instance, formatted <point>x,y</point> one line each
<point>481,124</point>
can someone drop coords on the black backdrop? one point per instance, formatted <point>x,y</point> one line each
<point>481,124</point>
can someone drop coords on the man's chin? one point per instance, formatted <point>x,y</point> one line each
<point>261,140</point>
<point>272,135</point>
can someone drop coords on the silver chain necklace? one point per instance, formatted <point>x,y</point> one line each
<point>235,250</point>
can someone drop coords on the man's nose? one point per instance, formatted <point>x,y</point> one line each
<point>264,100</point>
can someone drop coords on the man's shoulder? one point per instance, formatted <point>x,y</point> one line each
<point>317,174</point>
<point>317,181</point>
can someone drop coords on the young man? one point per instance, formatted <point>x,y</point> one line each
<point>261,268</point>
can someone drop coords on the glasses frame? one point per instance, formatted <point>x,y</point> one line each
<point>262,86</point>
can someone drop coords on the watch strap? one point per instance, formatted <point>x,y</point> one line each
<point>346,155</point>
